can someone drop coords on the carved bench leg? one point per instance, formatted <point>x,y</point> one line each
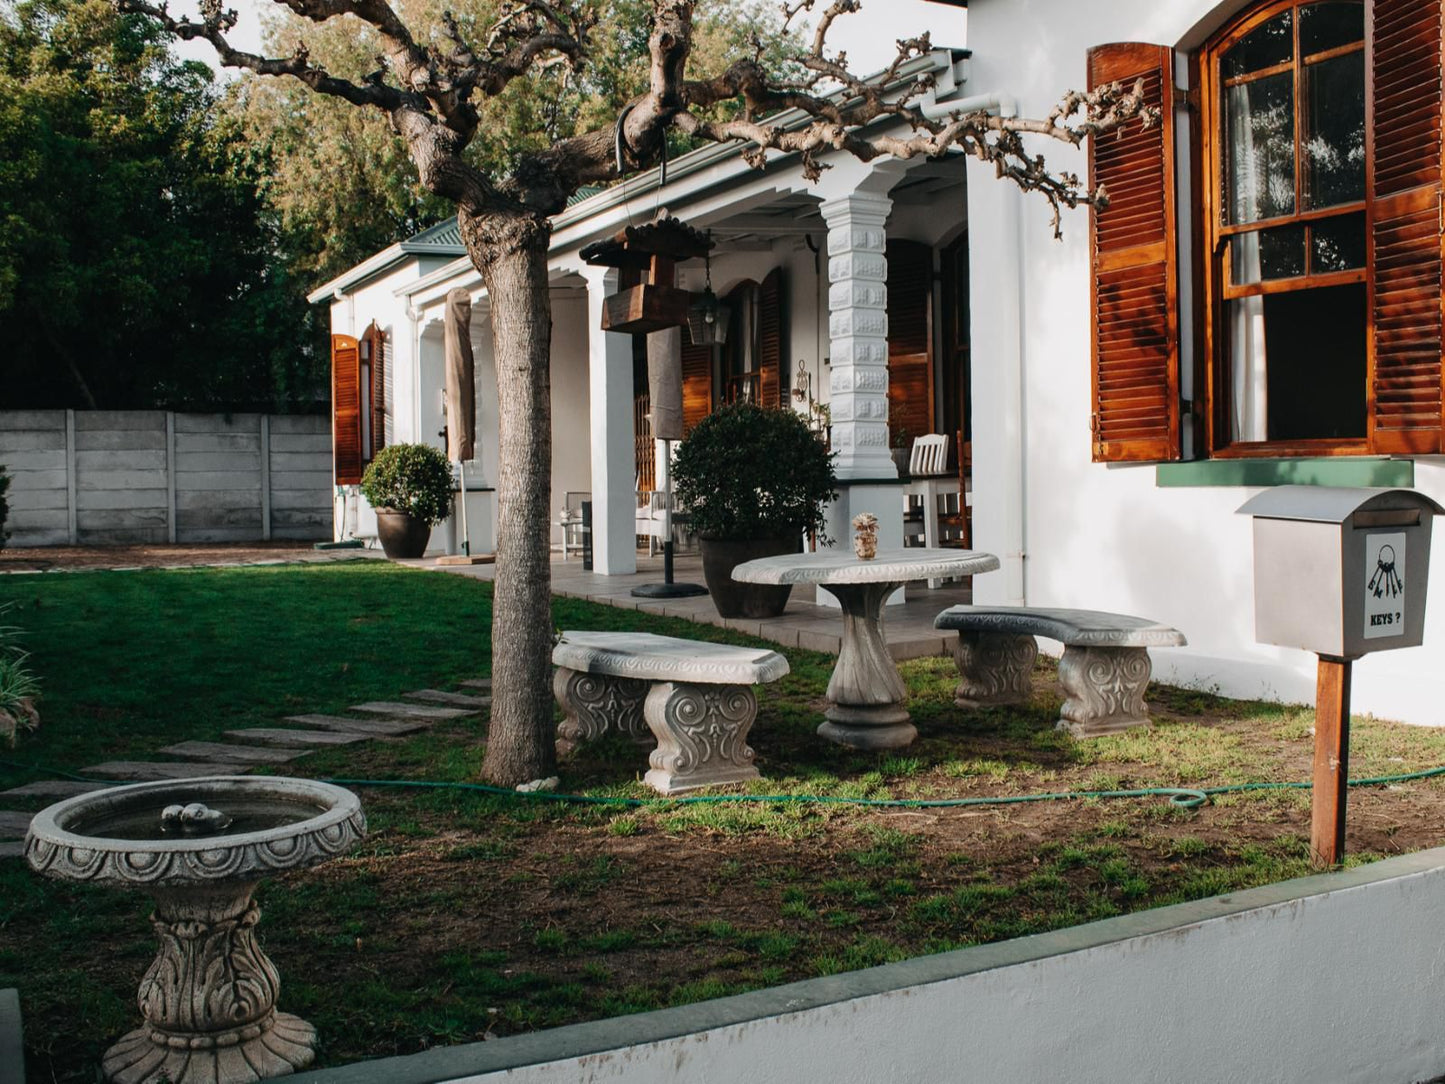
<point>702,735</point>
<point>595,704</point>
<point>993,668</point>
<point>1104,689</point>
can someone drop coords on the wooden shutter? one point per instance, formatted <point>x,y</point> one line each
<point>346,409</point>
<point>1405,226</point>
<point>696,383</point>
<point>910,339</point>
<point>377,340</point>
<point>770,339</point>
<point>1134,282</point>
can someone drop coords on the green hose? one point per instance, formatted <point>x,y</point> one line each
<point>1179,797</point>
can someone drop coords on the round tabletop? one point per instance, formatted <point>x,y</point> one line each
<point>838,567</point>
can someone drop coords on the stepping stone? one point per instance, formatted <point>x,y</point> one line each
<point>371,728</point>
<point>14,825</point>
<point>456,700</point>
<point>217,751</point>
<point>478,683</point>
<point>410,711</point>
<point>52,788</point>
<point>12,850</point>
<point>142,771</point>
<point>283,737</point>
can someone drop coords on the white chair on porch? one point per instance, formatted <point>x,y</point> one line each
<point>651,517</point>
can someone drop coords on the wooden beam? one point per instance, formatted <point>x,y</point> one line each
<point>1332,761</point>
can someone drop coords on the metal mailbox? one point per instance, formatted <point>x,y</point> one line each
<point>1340,572</point>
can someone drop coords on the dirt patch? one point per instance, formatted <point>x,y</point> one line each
<point>70,558</point>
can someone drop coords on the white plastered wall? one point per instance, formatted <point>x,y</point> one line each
<point>1102,536</point>
<point>571,417</point>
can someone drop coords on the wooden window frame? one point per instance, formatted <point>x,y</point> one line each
<point>1211,264</point>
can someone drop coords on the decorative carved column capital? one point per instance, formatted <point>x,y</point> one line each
<point>594,704</point>
<point>1104,689</point>
<point>702,735</point>
<point>993,668</point>
<point>209,998</point>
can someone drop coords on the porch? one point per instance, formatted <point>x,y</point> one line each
<point>908,626</point>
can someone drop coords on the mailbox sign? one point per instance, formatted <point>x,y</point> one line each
<point>1384,584</point>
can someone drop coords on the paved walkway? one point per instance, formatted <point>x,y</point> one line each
<point>252,748</point>
<point>908,627</point>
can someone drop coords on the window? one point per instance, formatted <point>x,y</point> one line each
<point>1284,116</point>
<point>1315,206</point>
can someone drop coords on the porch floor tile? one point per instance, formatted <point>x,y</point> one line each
<point>908,626</point>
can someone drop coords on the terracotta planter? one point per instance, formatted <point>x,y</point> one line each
<point>403,537</point>
<point>733,599</point>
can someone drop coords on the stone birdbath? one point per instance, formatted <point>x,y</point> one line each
<point>199,847</point>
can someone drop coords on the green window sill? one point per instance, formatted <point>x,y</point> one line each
<point>1321,471</point>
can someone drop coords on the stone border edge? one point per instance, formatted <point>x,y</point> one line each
<point>602,1036</point>
<point>12,1039</point>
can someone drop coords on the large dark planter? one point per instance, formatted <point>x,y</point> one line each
<point>733,599</point>
<point>403,537</point>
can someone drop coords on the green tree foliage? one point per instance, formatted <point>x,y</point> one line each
<point>137,264</point>
<point>342,180</point>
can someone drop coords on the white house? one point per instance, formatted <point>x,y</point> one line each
<point>1260,304</point>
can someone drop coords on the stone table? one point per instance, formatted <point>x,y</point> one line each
<point>867,693</point>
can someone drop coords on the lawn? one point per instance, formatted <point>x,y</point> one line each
<point>466,914</point>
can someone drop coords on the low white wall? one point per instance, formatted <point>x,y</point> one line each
<point>1330,978</point>
<point>84,477</point>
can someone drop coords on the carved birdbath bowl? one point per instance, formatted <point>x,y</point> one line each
<point>199,847</point>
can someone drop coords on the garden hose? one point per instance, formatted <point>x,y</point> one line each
<point>1179,797</point>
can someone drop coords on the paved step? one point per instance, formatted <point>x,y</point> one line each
<point>53,788</point>
<point>477,683</point>
<point>12,850</point>
<point>294,738</point>
<point>222,753</point>
<point>410,711</point>
<point>456,700</point>
<point>142,771</point>
<point>14,825</point>
<point>371,728</point>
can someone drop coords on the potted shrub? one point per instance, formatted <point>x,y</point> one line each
<point>410,486</point>
<point>753,482</point>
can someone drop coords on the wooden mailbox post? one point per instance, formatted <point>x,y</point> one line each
<point>1340,572</point>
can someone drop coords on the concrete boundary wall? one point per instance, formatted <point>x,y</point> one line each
<point>83,477</point>
<point>1338,978</point>
<point>12,1045</point>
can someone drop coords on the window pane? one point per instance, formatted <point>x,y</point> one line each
<point>1297,365</point>
<point>1268,44</point>
<point>1330,25</point>
<point>1338,244</point>
<point>1259,154</point>
<point>1334,144</point>
<point>1267,254</point>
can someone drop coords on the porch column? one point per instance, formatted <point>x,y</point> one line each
<point>614,470</point>
<point>858,332</point>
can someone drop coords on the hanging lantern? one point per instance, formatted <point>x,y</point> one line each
<point>707,317</point>
<point>646,257</point>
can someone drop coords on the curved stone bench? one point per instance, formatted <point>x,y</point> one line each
<point>1104,671</point>
<point>696,698</point>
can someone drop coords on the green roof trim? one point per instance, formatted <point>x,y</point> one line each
<point>1336,470</point>
<point>443,239</point>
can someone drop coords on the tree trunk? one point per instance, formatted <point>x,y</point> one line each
<point>511,254</point>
